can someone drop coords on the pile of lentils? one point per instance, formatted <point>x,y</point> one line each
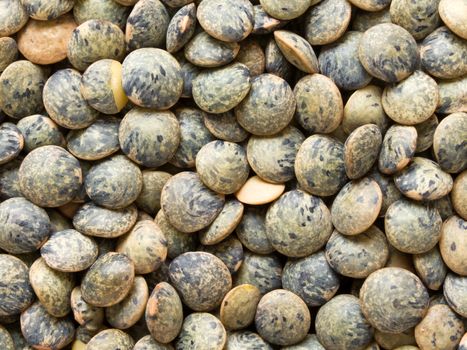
<point>233,174</point>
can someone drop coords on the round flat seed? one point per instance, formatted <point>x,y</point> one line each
<point>251,231</point>
<point>6,340</point>
<point>339,61</point>
<point>111,339</point>
<point>147,25</point>
<point>39,130</point>
<point>8,52</point>
<point>361,150</point>
<point>9,180</point>
<point>201,278</point>
<point>109,280</point>
<point>264,23</point>
<point>449,144</point>
<point>222,166</point>
<point>42,330</point>
<point>393,299</point>
<point>101,86</point>
<point>11,142</point>
<point>178,242</point>
<point>152,78</point>
<point>69,251</point>
<point>188,204</point>
<point>350,332</point>
<point>291,10</point>
<point>412,227</point>
<point>357,256</point>
<point>319,165</point>
<point>298,224</point>
<point>50,176</point>
<point>47,10</point>
<point>149,343</point>
<point>452,244</point>
<point>12,18</point>
<point>189,71</point>
<point>388,52</point>
<point>149,137</point>
<point>164,313</point>
<point>145,245</point>
<point>239,306</point>
<point>453,14</point>
<point>413,100</point>
<point>364,106</point>
<point>86,315</point>
<point>226,20</point>
<point>442,324</point>
<point>127,312</point>
<point>356,206</point>
<point>21,85</point>
<point>276,63</point>
<point>150,197</point>
<point>452,95</point>
<point>181,28</point>
<point>246,340</point>
<point>394,340</point>
<point>64,102</point>
<point>114,182</point>
<point>398,148</point>
<point>455,288</point>
<point>423,179</point>
<point>52,288</point>
<point>93,220</point>
<point>297,51</point>
<point>97,141</point>
<point>327,21</point>
<point>251,54</point>
<point>45,41</point>
<point>201,330</point>
<point>371,5</point>
<point>205,51</point>
<point>224,224</point>
<point>430,268</point>
<point>281,148</point>
<point>230,251</point>
<point>268,107</point>
<point>458,194</point>
<point>256,191</point>
<point>219,90</point>
<point>425,133</point>
<point>107,10</point>
<point>224,126</point>
<point>16,290</point>
<point>95,40</point>
<point>363,20</point>
<point>319,104</point>
<point>311,278</point>
<point>282,318</point>
<point>443,54</point>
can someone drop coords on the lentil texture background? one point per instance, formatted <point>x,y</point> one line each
<point>233,174</point>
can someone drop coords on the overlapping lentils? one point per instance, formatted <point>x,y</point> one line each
<point>233,174</point>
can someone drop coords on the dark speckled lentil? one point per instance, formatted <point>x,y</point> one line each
<point>239,306</point>
<point>149,137</point>
<point>21,85</point>
<point>9,180</point>
<point>147,24</point>
<point>152,78</point>
<point>297,51</point>
<point>47,9</point>
<point>337,332</point>
<point>149,343</point>
<point>230,251</point>
<point>42,330</point>
<point>6,340</point>
<point>455,289</point>
<point>371,5</point>
<point>149,198</point>
<point>388,52</point>
<point>275,61</point>
<point>201,330</point>
<point>181,28</point>
<point>107,10</point>
<point>94,40</point>
<point>224,126</point>
<point>252,231</point>
<point>393,299</point>
<point>453,245</point>
<point>110,339</point>
<point>13,17</point>
<point>39,130</point>
<point>452,95</point>
<point>251,54</point>
<point>430,268</point>
<point>425,132</point>
<point>64,103</point>
<point>264,23</point>
<point>246,340</point>
<point>277,9</point>
<point>311,278</point>
<point>363,20</point>
<point>11,142</point>
<point>420,18</point>
<point>282,318</point>
<point>201,278</point>
<point>206,51</point>
<point>219,90</point>
<point>226,20</point>
<point>398,148</point>
<point>298,224</point>
<point>86,315</point>
<point>8,52</point>
<point>188,204</point>
<point>423,179</point>
<point>16,293</point>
